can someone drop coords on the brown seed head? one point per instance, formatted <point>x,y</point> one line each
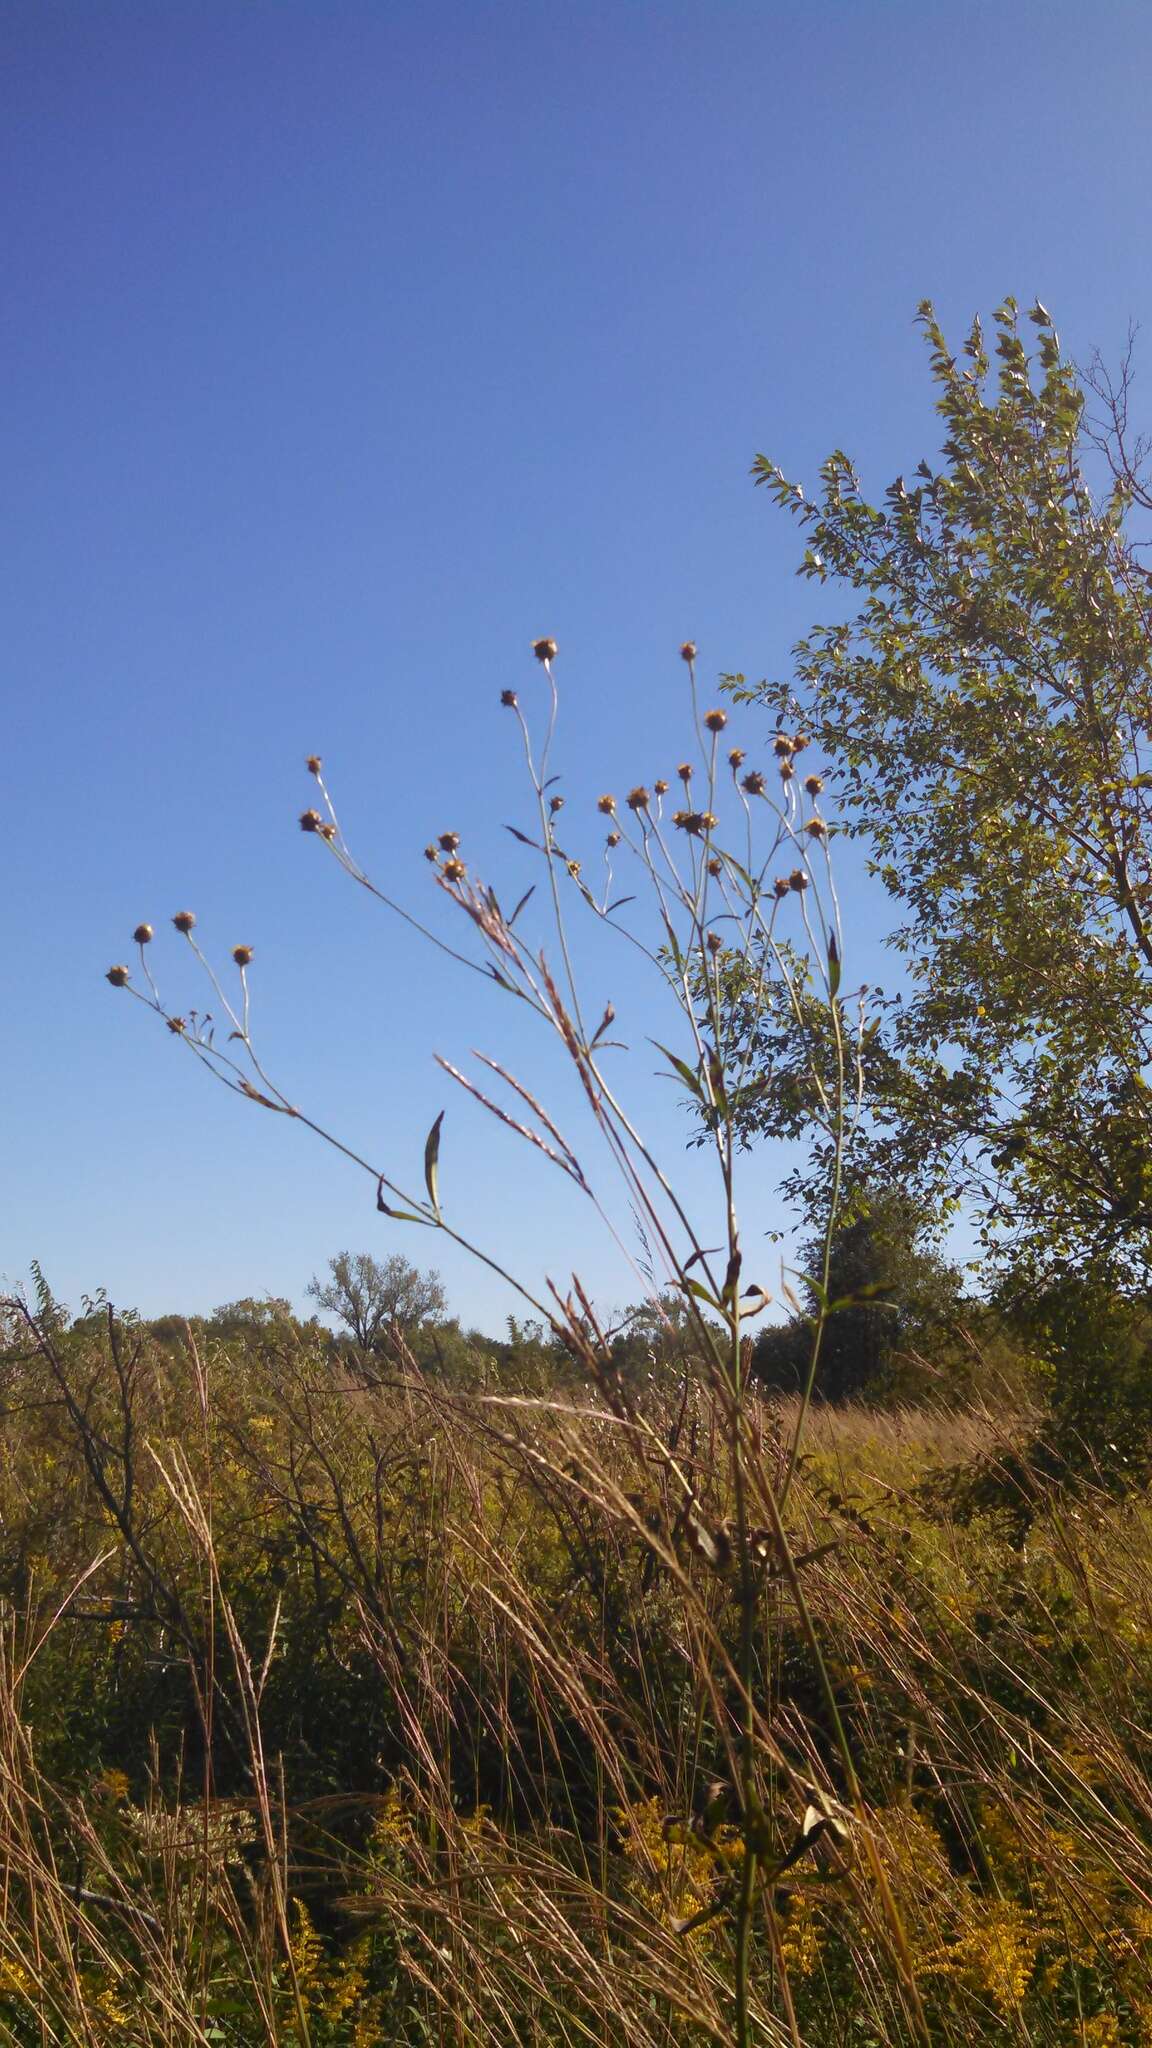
<point>313,764</point>
<point>787,771</point>
<point>782,745</point>
<point>684,771</point>
<point>688,651</point>
<point>509,698</point>
<point>184,920</point>
<point>242,955</point>
<point>573,867</point>
<point>694,822</point>
<point>798,880</point>
<point>736,759</point>
<point>660,787</point>
<point>544,650</point>
<point>715,720</point>
<point>556,804</point>
<point>118,976</point>
<point>816,827</point>
<point>449,841</point>
<point>142,934</point>
<point>327,831</point>
<point>800,742</point>
<point>754,782</point>
<point>813,784</point>
<point>431,853</point>
<point>715,867</point>
<point>613,839</point>
<point>453,871</point>
<point>781,886</point>
<point>714,943</point>
<point>176,1024</point>
<point>637,799</point>
<point>607,804</point>
<point>310,821</point>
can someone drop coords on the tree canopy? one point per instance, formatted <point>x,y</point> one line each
<point>987,710</point>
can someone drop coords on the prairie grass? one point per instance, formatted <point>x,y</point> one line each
<point>620,1706</point>
<point>413,1715</point>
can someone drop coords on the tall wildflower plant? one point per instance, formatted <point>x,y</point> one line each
<point>718,878</point>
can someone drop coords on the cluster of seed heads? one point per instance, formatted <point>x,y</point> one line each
<point>185,922</point>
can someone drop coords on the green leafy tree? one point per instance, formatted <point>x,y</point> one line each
<point>894,1306</point>
<point>376,1299</point>
<point>987,709</point>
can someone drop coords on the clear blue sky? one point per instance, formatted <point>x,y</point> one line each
<point>345,348</point>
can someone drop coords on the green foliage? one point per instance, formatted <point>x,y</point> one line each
<point>986,711</point>
<point>378,1300</point>
<point>894,1306</point>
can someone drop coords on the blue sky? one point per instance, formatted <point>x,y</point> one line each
<point>346,348</point>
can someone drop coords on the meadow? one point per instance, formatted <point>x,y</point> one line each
<point>407,1714</point>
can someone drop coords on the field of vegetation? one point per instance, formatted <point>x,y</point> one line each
<point>684,1675</point>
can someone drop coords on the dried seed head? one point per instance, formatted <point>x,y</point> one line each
<point>310,821</point>
<point>431,853</point>
<point>327,831</point>
<point>544,650</point>
<point>660,787</point>
<point>242,955</point>
<point>118,976</point>
<point>715,867</point>
<point>176,1024</point>
<point>694,822</point>
<point>449,841</point>
<point>714,943</point>
<point>754,782</point>
<point>688,651</point>
<point>800,742</point>
<point>813,784</point>
<point>142,934</point>
<point>816,827</point>
<point>637,799</point>
<point>787,771</point>
<point>782,745</point>
<point>184,920</point>
<point>684,771</point>
<point>613,839</point>
<point>798,880</point>
<point>736,759</point>
<point>715,720</point>
<point>453,871</point>
<point>573,867</point>
<point>556,804</point>
<point>607,804</point>
<point>781,886</point>
<point>313,764</point>
<point>509,698</point>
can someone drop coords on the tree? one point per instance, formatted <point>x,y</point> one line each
<point>889,1294</point>
<point>376,1300</point>
<point>988,711</point>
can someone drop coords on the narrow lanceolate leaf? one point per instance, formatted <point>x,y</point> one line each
<point>432,1164</point>
<point>401,1215</point>
<point>265,1101</point>
<point>689,1079</point>
<point>833,964</point>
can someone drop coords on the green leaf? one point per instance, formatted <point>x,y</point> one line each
<point>690,1079</point>
<point>432,1164</point>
